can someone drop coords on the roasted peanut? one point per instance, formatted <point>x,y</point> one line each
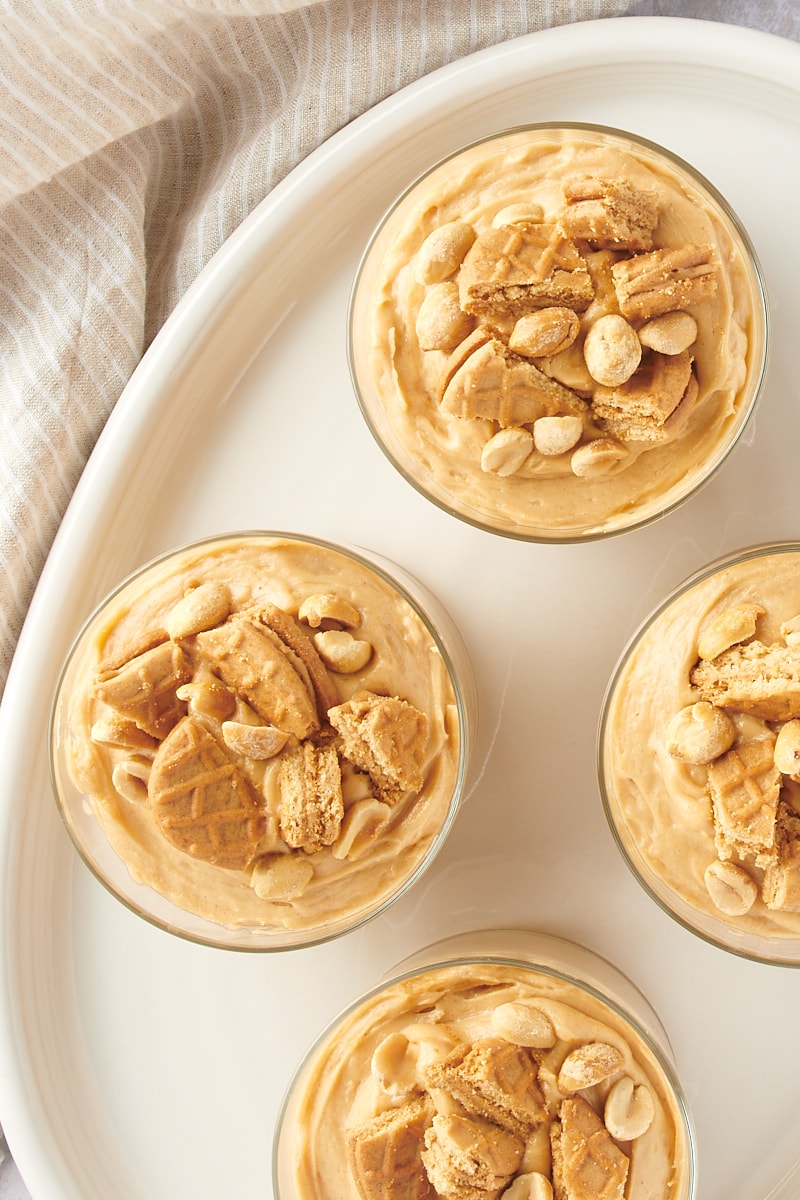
<point>557,435</point>
<point>441,322</point>
<point>569,369</point>
<point>506,451</point>
<point>323,607</point>
<point>587,1065</point>
<point>523,1024</point>
<point>612,350</point>
<point>208,697</point>
<point>530,1186</point>
<point>340,651</point>
<point>728,628</point>
<point>202,608</point>
<point>629,1110</point>
<point>730,887</point>
<point>253,741</point>
<point>113,730</point>
<point>790,631</point>
<point>130,777</point>
<point>441,254</point>
<point>671,333</point>
<point>699,733</point>
<point>786,754</point>
<point>518,214</point>
<point>597,458</point>
<point>544,333</point>
<point>281,876</point>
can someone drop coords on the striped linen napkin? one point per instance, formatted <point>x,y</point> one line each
<point>135,135</point>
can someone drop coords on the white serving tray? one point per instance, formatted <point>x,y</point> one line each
<point>135,1066</point>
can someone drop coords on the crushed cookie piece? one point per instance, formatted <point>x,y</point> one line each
<point>587,1163</point>
<point>753,678</point>
<point>252,663</point>
<point>294,641</point>
<point>744,785</point>
<point>664,280</point>
<point>495,384</point>
<point>385,1153</point>
<point>466,1155</point>
<point>515,269</point>
<point>493,1079</point>
<point>311,808</point>
<point>610,214</point>
<point>639,409</point>
<point>386,737</point>
<point>780,888</point>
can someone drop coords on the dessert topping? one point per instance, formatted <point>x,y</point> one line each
<point>205,711</point>
<point>665,280</point>
<point>482,1119</point>
<point>589,1064</point>
<point>312,807</point>
<point>507,450</point>
<point>385,737</point>
<point>587,1162</point>
<point>731,626</point>
<point>612,350</point>
<point>744,731</point>
<point>671,333</point>
<point>609,213</point>
<point>699,733</point>
<point>629,1110</point>
<point>573,313</point>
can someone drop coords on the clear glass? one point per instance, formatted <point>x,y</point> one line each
<point>425,452</point>
<point>558,967</point>
<point>670,869</point>
<point>80,810</point>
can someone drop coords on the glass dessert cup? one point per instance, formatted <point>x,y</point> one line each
<point>261,740</point>
<point>696,759</point>
<point>479,392</point>
<point>406,1069</point>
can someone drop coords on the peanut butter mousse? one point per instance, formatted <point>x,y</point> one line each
<point>701,747</point>
<point>475,1081</point>
<point>267,731</point>
<point>557,332</point>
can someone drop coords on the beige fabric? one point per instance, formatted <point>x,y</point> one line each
<point>135,135</point>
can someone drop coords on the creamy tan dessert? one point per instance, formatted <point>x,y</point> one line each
<point>268,732</point>
<point>478,1080</point>
<point>557,332</point>
<point>701,747</point>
